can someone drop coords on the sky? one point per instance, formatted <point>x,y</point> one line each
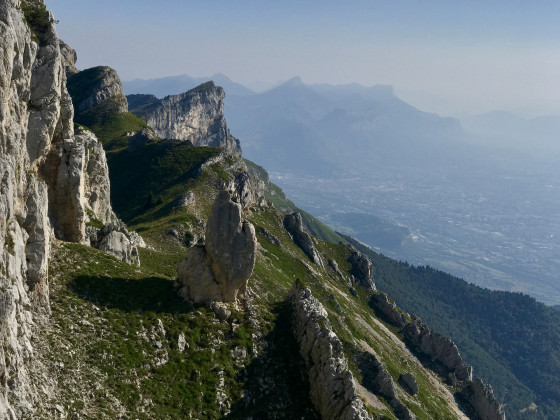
<point>456,58</point>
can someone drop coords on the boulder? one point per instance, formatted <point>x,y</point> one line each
<point>219,269</point>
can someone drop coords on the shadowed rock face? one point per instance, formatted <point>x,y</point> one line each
<point>294,225</point>
<point>219,270</point>
<point>97,89</point>
<point>196,116</point>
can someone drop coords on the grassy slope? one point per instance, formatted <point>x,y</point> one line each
<point>116,328</point>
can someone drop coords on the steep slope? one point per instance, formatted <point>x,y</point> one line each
<point>511,339</point>
<point>178,183</point>
<point>53,181</point>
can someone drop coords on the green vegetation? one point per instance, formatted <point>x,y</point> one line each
<point>37,17</point>
<point>511,340</point>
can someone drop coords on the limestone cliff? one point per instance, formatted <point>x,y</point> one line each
<point>196,116</point>
<point>51,181</point>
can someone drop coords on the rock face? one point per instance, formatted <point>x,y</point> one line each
<point>219,269</point>
<point>294,225</point>
<point>439,348</point>
<point>48,177</point>
<point>196,116</point>
<point>480,398</point>
<point>332,392</point>
<point>96,90</point>
<point>362,269</point>
<point>386,309</point>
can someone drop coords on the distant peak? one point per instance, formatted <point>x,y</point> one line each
<point>294,81</point>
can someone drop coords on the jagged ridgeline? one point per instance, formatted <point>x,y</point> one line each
<point>262,320</point>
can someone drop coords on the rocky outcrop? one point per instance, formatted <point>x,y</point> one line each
<point>439,349</point>
<point>69,58</point>
<point>219,269</point>
<point>250,189</point>
<point>409,383</point>
<point>378,381</point>
<point>362,269</point>
<point>332,392</point>
<point>48,177</point>
<point>387,310</point>
<point>196,116</point>
<point>96,91</point>
<point>481,401</point>
<point>294,225</point>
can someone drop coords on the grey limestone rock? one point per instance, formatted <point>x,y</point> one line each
<point>50,180</point>
<point>196,116</point>
<point>480,397</point>
<point>362,269</point>
<point>332,392</point>
<point>294,225</point>
<point>438,348</point>
<point>388,310</point>
<point>219,269</point>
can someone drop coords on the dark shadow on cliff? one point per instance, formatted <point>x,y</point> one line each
<point>275,382</point>
<point>154,294</point>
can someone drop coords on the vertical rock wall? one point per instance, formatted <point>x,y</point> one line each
<point>50,181</point>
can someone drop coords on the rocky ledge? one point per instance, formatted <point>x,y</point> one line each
<point>332,392</point>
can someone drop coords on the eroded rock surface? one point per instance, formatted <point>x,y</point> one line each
<point>196,116</point>
<point>438,348</point>
<point>482,401</point>
<point>332,392</point>
<point>387,309</point>
<point>48,177</point>
<point>294,225</point>
<point>219,269</point>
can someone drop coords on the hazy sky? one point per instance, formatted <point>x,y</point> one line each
<point>451,57</point>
